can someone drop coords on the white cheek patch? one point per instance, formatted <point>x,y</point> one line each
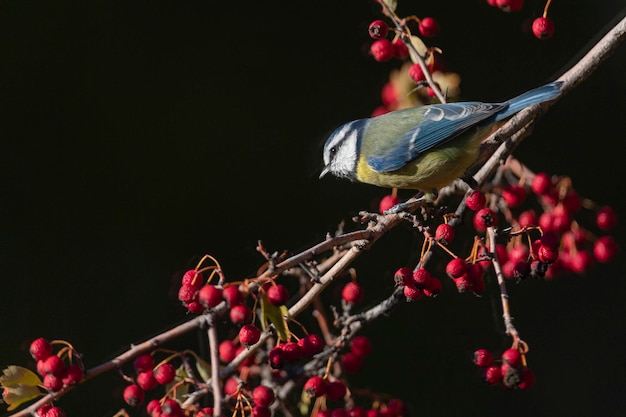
<point>345,160</point>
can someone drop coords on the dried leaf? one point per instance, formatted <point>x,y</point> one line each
<point>391,4</point>
<point>204,369</point>
<point>419,46</point>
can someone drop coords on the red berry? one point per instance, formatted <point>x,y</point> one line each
<point>192,278</point>
<point>581,261</point>
<point>351,362</point>
<point>335,390</point>
<point>52,365</point>
<point>456,268</point>
<point>541,184</point>
<point>403,276</point>
<point>400,50</point>
<point>263,396</point>
<point>411,293</point>
<point>428,27</point>
<point>483,358</point>
<point>606,218</point>
<point>133,395</point>
<point>378,29</point>
<point>187,293</point>
<point>605,249</point>
<point>276,357</point>
<point>258,411</point>
<point>71,375</point>
<point>339,412</point>
<point>232,295</point>
<point>434,288</point>
<point>444,233</point>
<point>315,386</point>
<point>361,346</point>
<point>143,363</point>
<point>387,202</point>
<point>210,296</point>
<point>462,283</point>
<point>277,295</point>
<point>52,382</point>
<point>194,307</point>
<point>153,406</point>
<point>389,95</point>
<point>146,380</point>
<point>41,411</point>
<point>493,374</point>
<point>543,28</point>
<point>55,412</point>
<point>357,412</point>
<point>311,344</point>
<point>416,73</point>
<point>205,412</point>
<point>527,379</point>
<point>227,351</point>
<point>484,218</point>
<point>292,351</point>
<point>512,357</point>
<point>492,3</point>
<point>40,349</point>
<point>240,314</point>
<point>510,5</point>
<point>352,293</point>
<point>165,373</point>
<point>475,200</point>
<point>171,408</point>
<point>249,334</point>
<point>396,408</point>
<point>249,361</point>
<point>421,278</point>
<point>548,254</point>
<point>231,386</point>
<point>382,50</point>
<point>514,195</point>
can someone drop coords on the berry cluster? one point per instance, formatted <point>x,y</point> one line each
<point>511,372</point>
<point>393,408</point>
<point>147,377</point>
<point>55,372</point>
<point>542,27</point>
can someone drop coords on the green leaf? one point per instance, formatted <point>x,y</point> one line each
<point>182,390</point>
<point>419,46</point>
<point>204,369</point>
<point>277,315</point>
<point>20,385</point>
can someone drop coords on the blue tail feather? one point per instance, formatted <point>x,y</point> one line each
<point>538,95</point>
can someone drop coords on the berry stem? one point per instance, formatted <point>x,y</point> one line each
<point>545,9</point>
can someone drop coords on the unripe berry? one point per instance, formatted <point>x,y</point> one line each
<point>133,395</point>
<point>249,334</point>
<point>382,50</point>
<point>335,390</point>
<point>352,293</point>
<point>315,386</point>
<point>311,344</point>
<point>484,218</point>
<point>143,363</point>
<point>277,295</point>
<point>240,314</point>
<point>52,382</point>
<point>456,268</point>
<point>165,373</point>
<point>210,296</point>
<point>71,375</point>
<point>40,349</point>
<point>361,346</point>
<point>605,249</point>
<point>483,358</point>
<point>428,27</point>
<point>263,396</point>
<point>146,380</point>
<point>378,29</point>
<point>543,28</point>
<point>493,374</point>
<point>387,202</point>
<point>444,233</point>
<point>512,357</point>
<point>475,200</point>
<point>606,219</point>
<point>403,276</point>
<point>351,362</point>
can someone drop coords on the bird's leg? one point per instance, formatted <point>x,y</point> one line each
<point>412,203</point>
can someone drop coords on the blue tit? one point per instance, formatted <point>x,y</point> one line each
<point>422,148</point>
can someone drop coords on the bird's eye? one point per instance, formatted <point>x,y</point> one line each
<point>333,150</point>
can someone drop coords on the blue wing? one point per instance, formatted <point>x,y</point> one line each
<point>440,123</point>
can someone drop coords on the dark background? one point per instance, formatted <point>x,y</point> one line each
<point>137,137</point>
